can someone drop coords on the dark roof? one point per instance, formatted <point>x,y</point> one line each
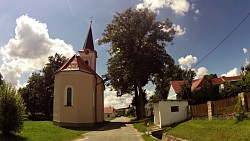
<point>89,44</point>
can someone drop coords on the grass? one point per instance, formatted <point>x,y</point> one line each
<point>109,118</point>
<point>45,130</point>
<point>219,130</point>
<point>141,126</point>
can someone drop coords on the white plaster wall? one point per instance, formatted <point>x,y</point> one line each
<point>172,94</point>
<point>167,117</point>
<point>156,114</point>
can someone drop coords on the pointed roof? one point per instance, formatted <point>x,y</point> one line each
<point>76,63</point>
<point>89,44</point>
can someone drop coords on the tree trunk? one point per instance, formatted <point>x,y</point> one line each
<point>138,113</point>
<point>141,103</point>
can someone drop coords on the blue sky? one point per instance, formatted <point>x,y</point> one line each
<point>31,30</point>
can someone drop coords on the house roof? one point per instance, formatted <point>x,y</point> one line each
<point>109,110</point>
<point>232,78</point>
<point>89,44</point>
<point>76,63</point>
<point>177,85</point>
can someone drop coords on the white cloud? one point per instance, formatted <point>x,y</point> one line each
<point>200,72</point>
<point>188,61</point>
<point>29,50</point>
<point>244,50</point>
<point>233,72</point>
<point>192,6</point>
<point>179,31</point>
<point>111,99</point>
<point>179,7</point>
<point>247,62</point>
<point>195,18</point>
<point>197,11</point>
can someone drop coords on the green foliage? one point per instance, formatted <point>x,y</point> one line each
<point>137,52</point>
<point>38,94</point>
<point>239,111</point>
<point>33,94</point>
<point>12,110</point>
<point>161,80</point>
<point>207,92</point>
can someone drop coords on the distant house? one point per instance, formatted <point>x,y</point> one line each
<point>176,86</point>
<point>220,81</point>
<point>167,112</point>
<point>109,112</point>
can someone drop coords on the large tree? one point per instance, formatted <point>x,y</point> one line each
<point>137,51</point>
<point>55,62</point>
<point>39,92</point>
<point>33,94</point>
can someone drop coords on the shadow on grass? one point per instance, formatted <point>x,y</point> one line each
<point>12,137</point>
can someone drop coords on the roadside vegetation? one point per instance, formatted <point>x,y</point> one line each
<point>109,118</point>
<point>219,130</point>
<point>141,126</point>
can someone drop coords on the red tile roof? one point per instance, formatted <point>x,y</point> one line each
<point>76,63</point>
<point>217,81</point>
<point>177,85</point>
<point>109,110</point>
<point>232,78</point>
<point>197,83</point>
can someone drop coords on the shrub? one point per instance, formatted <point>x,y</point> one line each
<point>12,110</point>
<point>239,111</point>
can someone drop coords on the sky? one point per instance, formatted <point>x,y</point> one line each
<point>32,30</point>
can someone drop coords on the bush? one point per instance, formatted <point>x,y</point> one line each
<point>240,111</point>
<point>12,110</point>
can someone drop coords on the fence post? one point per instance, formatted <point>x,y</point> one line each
<point>243,99</point>
<point>189,114</point>
<point>210,109</point>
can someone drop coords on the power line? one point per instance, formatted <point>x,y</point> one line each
<point>222,40</point>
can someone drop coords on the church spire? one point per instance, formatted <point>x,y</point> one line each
<point>89,44</point>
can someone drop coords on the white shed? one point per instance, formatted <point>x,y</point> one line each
<point>167,112</point>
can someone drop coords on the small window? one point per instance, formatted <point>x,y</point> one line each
<point>68,96</point>
<point>174,108</point>
<point>87,62</point>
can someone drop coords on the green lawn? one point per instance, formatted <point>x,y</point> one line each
<point>109,118</point>
<point>215,130</point>
<point>141,126</point>
<point>45,131</point>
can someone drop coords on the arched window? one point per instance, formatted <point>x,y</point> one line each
<point>68,96</point>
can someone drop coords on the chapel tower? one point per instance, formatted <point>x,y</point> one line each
<point>88,53</point>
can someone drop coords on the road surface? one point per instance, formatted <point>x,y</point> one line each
<point>117,130</point>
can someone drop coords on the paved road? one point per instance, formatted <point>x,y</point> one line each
<point>117,130</point>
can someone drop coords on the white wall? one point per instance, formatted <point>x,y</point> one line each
<point>156,114</point>
<point>172,94</point>
<point>166,117</point>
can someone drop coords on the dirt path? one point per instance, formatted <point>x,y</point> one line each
<point>118,129</point>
